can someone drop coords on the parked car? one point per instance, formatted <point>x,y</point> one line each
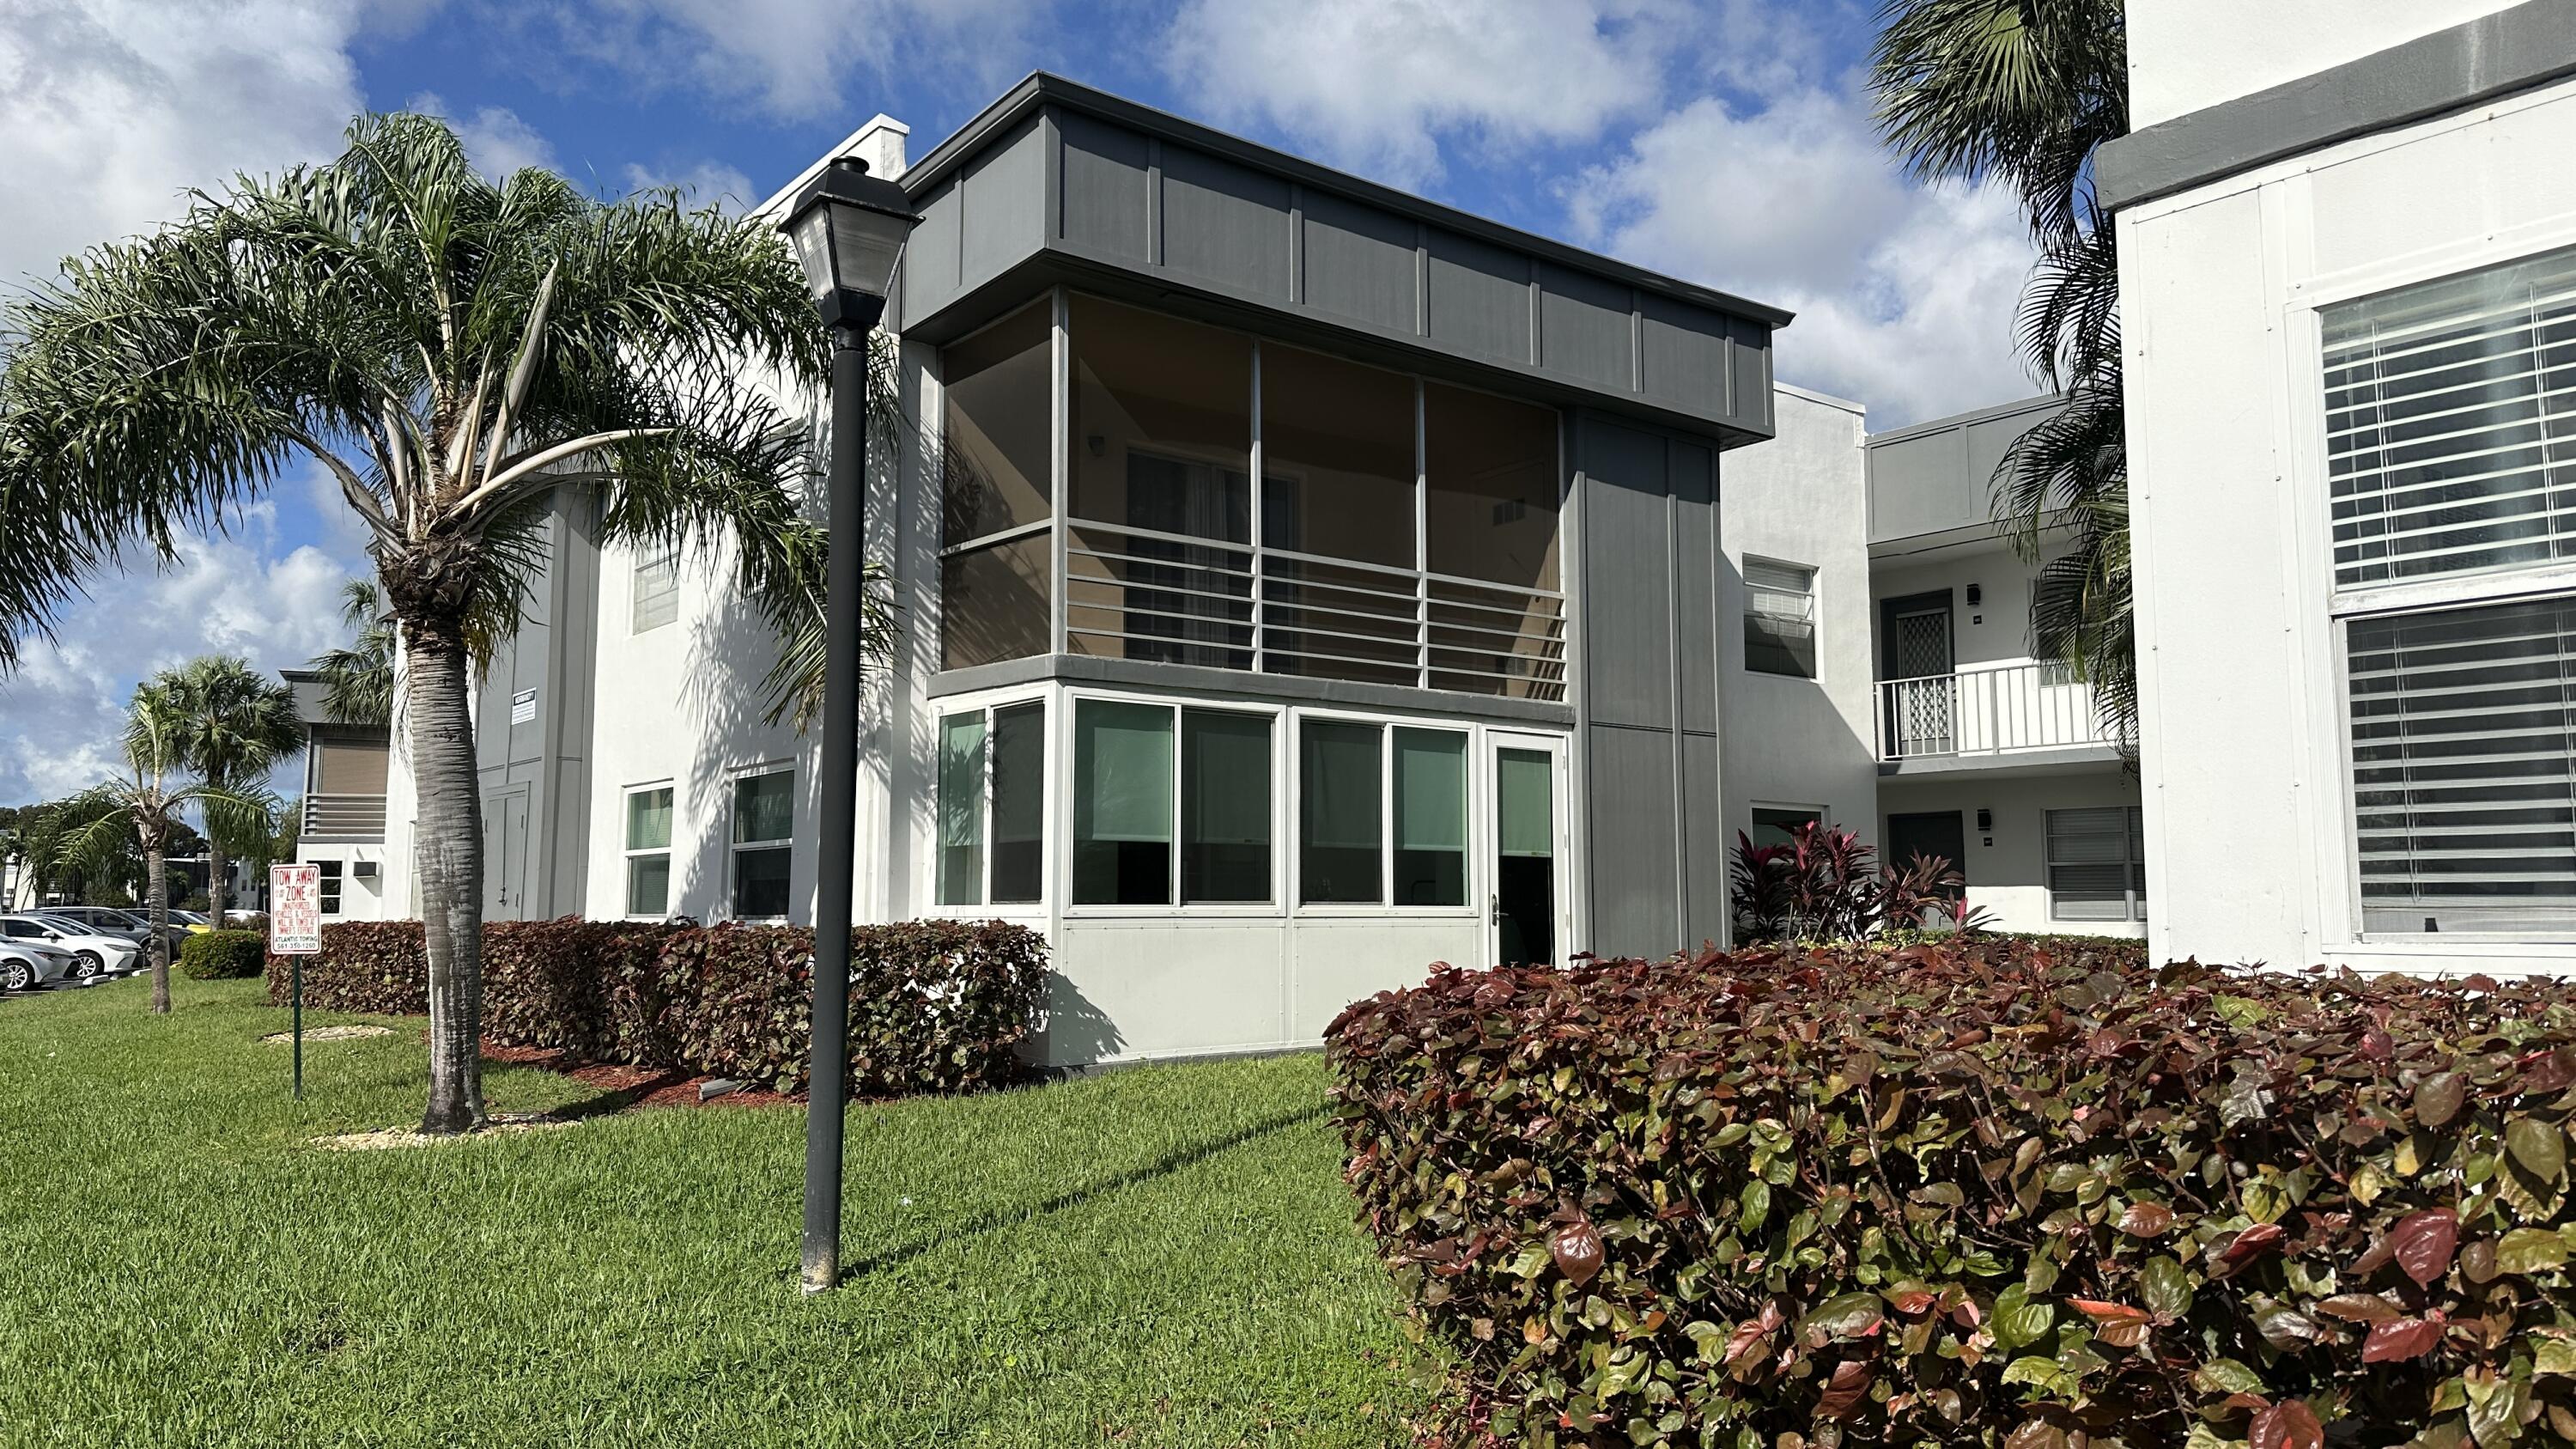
<point>26,964</point>
<point>118,921</point>
<point>92,950</point>
<point>197,922</point>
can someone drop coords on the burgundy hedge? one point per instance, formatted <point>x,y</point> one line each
<point>935,1006</point>
<point>1993,1193</point>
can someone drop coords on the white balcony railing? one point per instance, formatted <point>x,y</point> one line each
<point>344,817</point>
<point>1985,710</point>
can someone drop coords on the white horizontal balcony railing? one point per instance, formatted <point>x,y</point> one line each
<point>344,817</point>
<point>1140,593</point>
<point>1986,710</point>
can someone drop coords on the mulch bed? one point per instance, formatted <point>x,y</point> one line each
<point>641,1086</point>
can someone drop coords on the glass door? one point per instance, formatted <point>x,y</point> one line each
<point>1530,882</point>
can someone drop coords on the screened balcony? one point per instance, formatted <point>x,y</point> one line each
<point>1238,504</point>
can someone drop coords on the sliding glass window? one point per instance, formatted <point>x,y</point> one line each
<point>1225,807</point>
<point>1132,800</point>
<point>1158,556</point>
<point>1341,823</point>
<point>996,469</point>
<point>1430,818</point>
<point>992,788</point>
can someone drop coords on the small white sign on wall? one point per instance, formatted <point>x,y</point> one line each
<point>295,909</point>
<point>523,707</point>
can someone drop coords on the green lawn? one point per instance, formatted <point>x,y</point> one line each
<point>1158,1256</point>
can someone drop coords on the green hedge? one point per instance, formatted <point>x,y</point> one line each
<point>935,1006</point>
<point>1978,1192</point>
<point>222,955</point>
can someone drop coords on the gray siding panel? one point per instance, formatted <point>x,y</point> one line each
<point>1695,582</point>
<point>1478,297</point>
<point>1225,223</point>
<point>1584,329</point>
<point>1627,598</point>
<point>1749,368</point>
<point>1633,854</point>
<point>1935,477</point>
<point>1705,846</point>
<point>1104,206</point>
<point>1684,355</point>
<point>930,258</point>
<point>1005,212</point>
<point>1359,262</point>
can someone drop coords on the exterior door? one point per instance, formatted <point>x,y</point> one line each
<point>1941,832</point>
<point>505,856</point>
<point>1920,667</point>
<point>1528,870</point>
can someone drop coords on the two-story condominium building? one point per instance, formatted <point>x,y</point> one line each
<point>1295,583</point>
<point>342,826</point>
<point>2347,239</point>
<point>1988,756</point>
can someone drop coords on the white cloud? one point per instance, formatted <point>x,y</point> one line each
<point>62,713</point>
<point>1905,295</point>
<point>497,141</point>
<point>793,58</point>
<point>1378,85</point>
<point>112,107</point>
<point>701,183</point>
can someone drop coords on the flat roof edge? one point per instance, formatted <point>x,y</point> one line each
<point>1047,88</point>
<point>1960,420</point>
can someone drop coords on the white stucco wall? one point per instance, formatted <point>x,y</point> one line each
<point>360,900</point>
<point>1799,498</point>
<point>2006,867</point>
<point>2248,819</point>
<point>2186,54</point>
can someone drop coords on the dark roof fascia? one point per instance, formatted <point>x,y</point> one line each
<point>1045,88</point>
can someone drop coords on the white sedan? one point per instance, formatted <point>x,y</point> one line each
<point>88,950</point>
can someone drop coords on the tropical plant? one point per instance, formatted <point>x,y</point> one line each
<point>452,352</point>
<point>2024,92</point>
<point>230,724</point>
<point>143,805</point>
<point>358,679</point>
<point>1824,884</point>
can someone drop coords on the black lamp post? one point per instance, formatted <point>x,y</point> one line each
<point>848,229</point>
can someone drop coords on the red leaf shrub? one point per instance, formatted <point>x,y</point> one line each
<point>935,1006</point>
<point>1981,1192</point>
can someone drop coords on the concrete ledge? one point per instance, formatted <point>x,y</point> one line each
<point>2066,760</point>
<point>1240,684</point>
<point>2495,55</point>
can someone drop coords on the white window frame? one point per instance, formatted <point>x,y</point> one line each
<point>1477,885</point>
<point>2132,866</point>
<point>2330,610</point>
<point>647,557</point>
<point>946,708</point>
<point>1061,817</point>
<point>628,854</point>
<point>1815,594</point>
<point>734,848</point>
<point>330,886</point>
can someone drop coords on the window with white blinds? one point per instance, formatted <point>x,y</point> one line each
<point>2451,424</point>
<point>657,588</point>
<point>2464,774</point>
<point>1780,618</point>
<point>2097,864</point>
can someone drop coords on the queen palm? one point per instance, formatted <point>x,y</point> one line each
<point>451,352</point>
<point>2023,92</point>
<point>230,724</point>
<point>358,678</point>
<point>143,805</point>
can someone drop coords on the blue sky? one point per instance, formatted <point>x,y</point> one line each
<point>1725,141</point>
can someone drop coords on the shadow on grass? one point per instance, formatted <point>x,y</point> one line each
<point>618,1099</point>
<point>1001,1218</point>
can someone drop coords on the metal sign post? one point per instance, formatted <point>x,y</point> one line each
<point>295,932</point>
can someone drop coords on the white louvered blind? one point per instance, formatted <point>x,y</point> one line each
<point>2096,864</point>
<point>1780,618</point>
<point>2462,722</point>
<point>2451,424</point>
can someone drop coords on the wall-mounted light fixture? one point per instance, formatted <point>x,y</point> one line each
<point>1976,595</point>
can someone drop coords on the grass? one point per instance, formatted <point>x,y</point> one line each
<point>1157,1256</point>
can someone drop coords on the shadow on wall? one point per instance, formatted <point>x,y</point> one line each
<point>1077,1030</point>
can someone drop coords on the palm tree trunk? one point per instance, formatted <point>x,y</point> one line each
<point>450,870</point>
<point>156,896</point>
<point>216,869</point>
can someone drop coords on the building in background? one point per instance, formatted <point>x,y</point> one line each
<point>343,826</point>
<point>2347,240</point>
<point>1987,756</point>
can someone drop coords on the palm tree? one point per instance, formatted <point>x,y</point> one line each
<point>358,680</point>
<point>2024,92</point>
<point>452,351</point>
<point>232,724</point>
<point>143,806</point>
